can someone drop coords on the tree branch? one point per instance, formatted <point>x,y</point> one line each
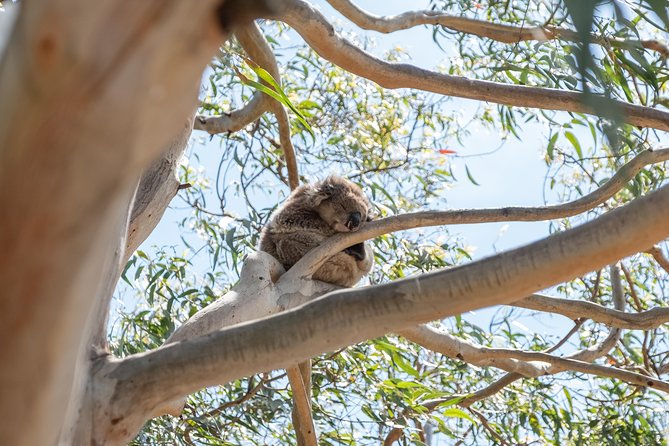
<point>492,389</point>
<point>348,316</point>
<point>303,421</point>
<point>256,47</point>
<point>659,257</point>
<point>494,31</point>
<point>601,349</point>
<point>644,320</point>
<point>439,340</point>
<point>308,264</point>
<point>157,187</point>
<point>442,342</point>
<point>445,343</point>
<point>236,119</point>
<point>322,37</point>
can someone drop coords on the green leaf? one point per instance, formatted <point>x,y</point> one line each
<point>551,147</point>
<point>454,412</point>
<point>130,263</point>
<point>574,142</point>
<point>275,92</point>
<point>469,175</point>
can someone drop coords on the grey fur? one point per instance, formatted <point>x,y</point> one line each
<point>311,214</point>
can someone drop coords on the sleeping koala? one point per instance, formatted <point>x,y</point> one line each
<point>311,214</point>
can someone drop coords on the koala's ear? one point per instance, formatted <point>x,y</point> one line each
<point>317,193</point>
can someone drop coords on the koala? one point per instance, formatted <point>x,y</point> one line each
<point>311,214</point>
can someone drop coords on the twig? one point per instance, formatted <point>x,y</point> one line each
<point>577,326</point>
<point>488,427</point>
<point>659,257</point>
<point>630,282</point>
<point>492,389</point>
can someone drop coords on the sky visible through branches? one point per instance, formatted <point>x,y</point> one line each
<point>509,171</point>
<point>492,170</point>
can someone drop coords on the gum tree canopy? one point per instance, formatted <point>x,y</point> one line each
<point>97,101</point>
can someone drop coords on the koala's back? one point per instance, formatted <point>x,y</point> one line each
<point>292,232</point>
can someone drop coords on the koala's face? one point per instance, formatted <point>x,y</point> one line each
<point>344,206</point>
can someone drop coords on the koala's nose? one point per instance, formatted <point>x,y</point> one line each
<point>357,251</point>
<point>353,221</point>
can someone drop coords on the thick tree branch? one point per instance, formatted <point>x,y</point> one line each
<point>315,258</point>
<point>345,317</point>
<point>322,37</point>
<point>157,187</point>
<point>494,31</point>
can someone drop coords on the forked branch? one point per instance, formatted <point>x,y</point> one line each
<point>644,320</point>
<point>322,37</point>
<point>494,31</point>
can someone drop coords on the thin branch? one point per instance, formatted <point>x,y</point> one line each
<point>606,345</point>
<point>256,47</point>
<point>488,427</point>
<point>494,31</point>
<point>315,258</point>
<point>394,435</point>
<point>630,283</point>
<point>299,375</point>
<point>511,377</point>
<point>236,119</point>
<point>260,52</point>
<point>287,144</point>
<point>492,389</point>
<point>322,37</point>
<point>440,341</point>
<point>250,392</point>
<point>302,419</point>
<point>578,323</point>
<point>659,257</point>
<point>644,320</point>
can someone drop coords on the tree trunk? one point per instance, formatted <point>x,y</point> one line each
<point>88,99</point>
